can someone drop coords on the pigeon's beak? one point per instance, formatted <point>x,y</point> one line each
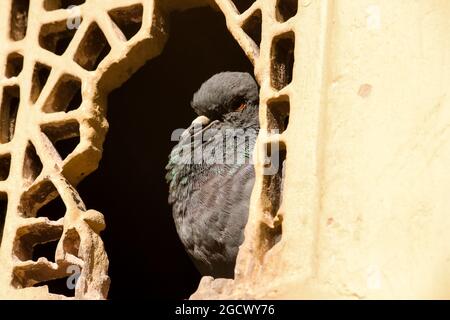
<point>199,122</point>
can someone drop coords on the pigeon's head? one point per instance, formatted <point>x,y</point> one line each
<point>226,93</point>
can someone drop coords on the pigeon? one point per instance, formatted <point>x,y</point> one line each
<point>211,175</point>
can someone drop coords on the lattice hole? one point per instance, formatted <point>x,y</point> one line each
<point>45,250</point>
<point>252,27</point>
<point>40,76</point>
<point>282,60</point>
<point>32,165</point>
<point>36,274</point>
<point>56,37</point>
<point>5,165</point>
<point>8,113</point>
<point>28,237</point>
<point>3,208</point>
<point>270,235</point>
<point>36,197</point>
<point>66,96</point>
<point>58,286</point>
<point>93,48</point>
<point>286,9</point>
<point>14,65</point>
<point>128,20</point>
<point>19,19</point>
<point>278,113</point>
<point>54,210</point>
<point>61,4</point>
<point>64,136</point>
<point>271,227</point>
<point>243,5</point>
<point>38,210</point>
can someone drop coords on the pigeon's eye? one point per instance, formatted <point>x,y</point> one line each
<point>241,107</point>
<point>238,104</point>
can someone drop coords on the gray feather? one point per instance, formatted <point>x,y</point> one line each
<point>210,201</point>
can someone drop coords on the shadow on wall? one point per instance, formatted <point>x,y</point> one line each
<point>146,256</point>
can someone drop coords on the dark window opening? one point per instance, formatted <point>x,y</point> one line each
<point>129,186</point>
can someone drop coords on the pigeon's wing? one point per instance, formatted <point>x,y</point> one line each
<point>218,210</point>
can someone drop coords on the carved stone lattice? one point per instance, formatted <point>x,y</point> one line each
<point>57,67</point>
